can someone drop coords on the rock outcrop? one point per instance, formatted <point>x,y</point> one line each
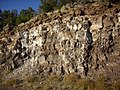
<point>85,41</point>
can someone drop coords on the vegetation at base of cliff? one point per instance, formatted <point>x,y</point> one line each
<point>65,82</point>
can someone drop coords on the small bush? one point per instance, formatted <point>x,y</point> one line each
<point>116,86</point>
<point>10,82</point>
<point>30,78</point>
<point>52,82</point>
<point>101,83</point>
<point>75,82</point>
<point>91,85</point>
<point>71,78</point>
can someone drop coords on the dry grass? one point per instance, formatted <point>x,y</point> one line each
<point>65,82</point>
<point>10,82</point>
<point>116,86</point>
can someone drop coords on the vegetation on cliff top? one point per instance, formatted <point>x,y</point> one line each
<point>12,18</point>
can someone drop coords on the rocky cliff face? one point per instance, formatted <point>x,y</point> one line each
<point>81,40</point>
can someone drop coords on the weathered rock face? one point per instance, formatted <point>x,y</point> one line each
<point>88,45</point>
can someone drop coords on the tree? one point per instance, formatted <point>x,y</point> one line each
<point>1,20</point>
<point>18,20</point>
<point>0,11</point>
<point>48,5</point>
<point>1,15</point>
<point>29,10</point>
<point>15,12</point>
<point>23,15</point>
<point>30,13</point>
<point>13,18</point>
